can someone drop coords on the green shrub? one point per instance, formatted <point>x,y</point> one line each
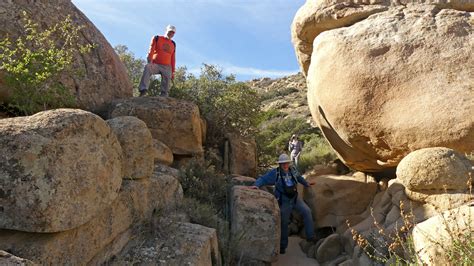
<point>205,203</point>
<point>202,182</point>
<point>33,63</point>
<point>315,151</point>
<point>133,65</point>
<point>227,105</point>
<point>272,94</point>
<point>273,138</point>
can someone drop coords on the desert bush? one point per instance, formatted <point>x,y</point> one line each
<point>272,94</point>
<point>205,203</point>
<point>316,151</point>
<point>33,63</point>
<point>226,104</point>
<point>133,65</point>
<point>273,137</point>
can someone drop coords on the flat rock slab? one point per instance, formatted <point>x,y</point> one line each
<point>178,243</point>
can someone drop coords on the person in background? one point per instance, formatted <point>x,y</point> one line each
<point>285,179</point>
<point>161,60</point>
<point>295,146</point>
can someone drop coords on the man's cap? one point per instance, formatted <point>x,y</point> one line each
<point>284,158</point>
<point>170,28</point>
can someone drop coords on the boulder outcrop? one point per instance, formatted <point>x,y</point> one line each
<point>255,221</point>
<point>241,155</point>
<point>106,77</point>
<point>374,69</point>
<point>333,199</point>
<point>135,204</point>
<point>432,239</point>
<point>59,169</point>
<point>435,170</point>
<point>176,123</point>
<point>137,146</point>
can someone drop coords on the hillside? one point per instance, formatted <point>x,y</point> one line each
<point>287,95</point>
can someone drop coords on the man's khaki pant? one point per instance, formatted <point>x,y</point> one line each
<point>154,69</point>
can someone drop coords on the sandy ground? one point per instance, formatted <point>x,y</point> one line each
<point>294,256</point>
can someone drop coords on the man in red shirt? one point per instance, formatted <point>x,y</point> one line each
<point>161,60</point>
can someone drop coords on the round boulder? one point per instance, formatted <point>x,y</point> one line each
<point>58,169</point>
<point>435,170</point>
<point>104,76</point>
<point>385,80</point>
<point>137,146</point>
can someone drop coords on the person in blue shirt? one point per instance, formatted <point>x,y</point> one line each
<point>285,179</point>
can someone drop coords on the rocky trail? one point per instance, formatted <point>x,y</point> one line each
<point>294,255</point>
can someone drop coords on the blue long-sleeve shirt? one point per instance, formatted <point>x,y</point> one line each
<point>270,178</point>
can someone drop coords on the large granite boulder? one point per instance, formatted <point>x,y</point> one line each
<point>255,221</point>
<point>106,233</point>
<point>137,146</point>
<point>435,170</point>
<point>176,123</point>
<point>106,77</point>
<point>373,71</point>
<point>58,169</point>
<point>438,176</point>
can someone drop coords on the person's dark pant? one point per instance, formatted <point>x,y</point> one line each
<point>286,207</point>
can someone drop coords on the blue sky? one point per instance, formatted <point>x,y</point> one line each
<point>249,38</point>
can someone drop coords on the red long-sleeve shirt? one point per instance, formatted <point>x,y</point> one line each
<point>162,51</point>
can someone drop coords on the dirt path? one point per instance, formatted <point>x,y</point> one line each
<point>294,256</point>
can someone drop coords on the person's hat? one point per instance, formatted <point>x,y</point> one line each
<point>294,136</point>
<point>170,28</point>
<point>283,158</point>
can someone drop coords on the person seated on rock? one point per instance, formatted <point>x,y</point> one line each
<point>285,178</point>
<point>295,146</point>
<point>161,60</point>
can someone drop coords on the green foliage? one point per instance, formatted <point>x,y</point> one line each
<point>272,94</point>
<point>133,65</point>
<point>227,105</point>
<point>33,63</point>
<point>202,182</point>
<point>205,192</point>
<point>273,138</point>
<point>316,151</point>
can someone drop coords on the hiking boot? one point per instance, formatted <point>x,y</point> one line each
<point>282,251</point>
<point>142,93</point>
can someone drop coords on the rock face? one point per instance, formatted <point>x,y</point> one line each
<point>335,198</point>
<point>106,77</point>
<point>174,122</point>
<point>58,169</point>
<point>137,146</point>
<point>255,220</point>
<point>371,82</point>
<point>182,244</point>
<point>163,154</point>
<point>135,204</point>
<point>242,156</point>
<point>432,238</point>
<point>10,260</point>
<point>435,170</point>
